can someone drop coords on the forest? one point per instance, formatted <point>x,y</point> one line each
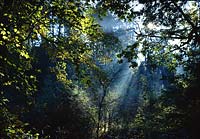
<point>99,69</point>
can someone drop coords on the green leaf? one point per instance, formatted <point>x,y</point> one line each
<point>3,32</point>
<point>24,54</point>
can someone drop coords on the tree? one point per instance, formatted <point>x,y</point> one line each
<point>163,22</point>
<point>169,36</point>
<point>104,49</point>
<point>26,26</point>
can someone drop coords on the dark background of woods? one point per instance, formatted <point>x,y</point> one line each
<point>56,70</point>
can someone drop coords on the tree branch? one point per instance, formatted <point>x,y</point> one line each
<point>184,15</point>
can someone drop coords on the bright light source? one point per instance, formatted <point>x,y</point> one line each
<point>151,26</point>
